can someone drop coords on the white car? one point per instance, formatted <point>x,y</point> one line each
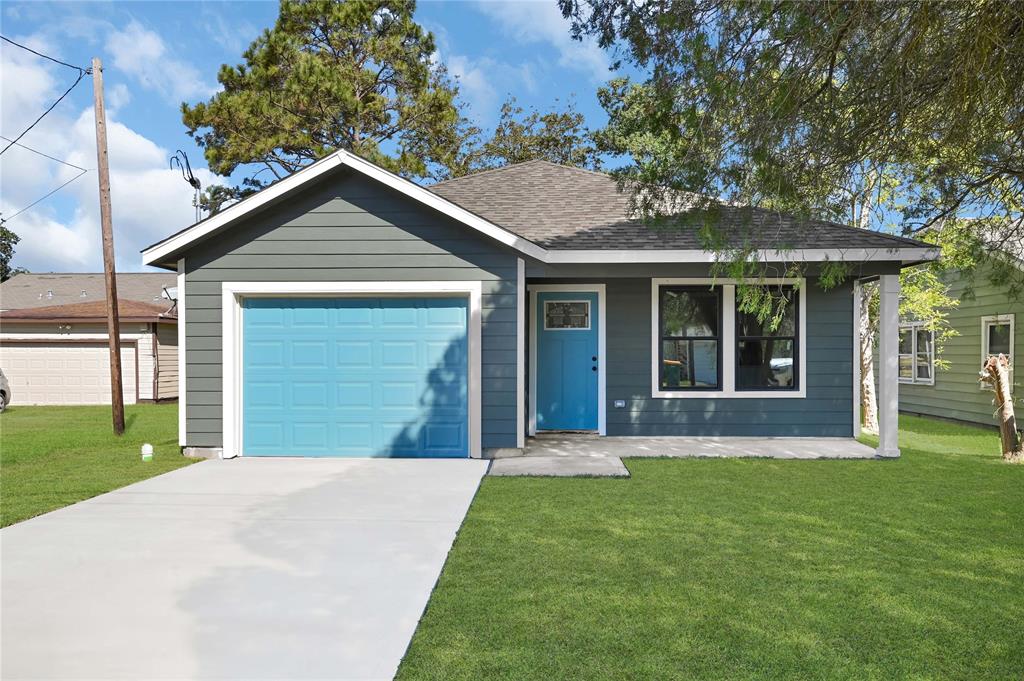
<point>5,391</point>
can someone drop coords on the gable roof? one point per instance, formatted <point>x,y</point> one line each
<point>164,253</point>
<point>29,290</point>
<point>561,207</point>
<point>559,214</point>
<point>128,310</point>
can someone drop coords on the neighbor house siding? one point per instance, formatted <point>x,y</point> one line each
<point>147,365</point>
<point>957,394</point>
<point>348,228</point>
<point>167,361</point>
<point>827,410</point>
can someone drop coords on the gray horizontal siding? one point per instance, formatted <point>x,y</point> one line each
<point>348,228</point>
<point>957,393</point>
<point>826,411</point>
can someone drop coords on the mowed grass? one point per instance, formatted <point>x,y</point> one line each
<point>54,456</point>
<point>742,569</point>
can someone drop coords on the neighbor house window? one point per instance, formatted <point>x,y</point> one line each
<point>997,337</point>
<point>917,354</point>
<point>691,330</point>
<point>766,357</point>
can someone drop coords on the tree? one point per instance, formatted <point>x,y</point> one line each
<point>787,102</point>
<point>8,240</point>
<point>558,135</point>
<point>357,75</point>
<point>995,373</point>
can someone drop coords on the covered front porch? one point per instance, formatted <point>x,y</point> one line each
<point>591,455</point>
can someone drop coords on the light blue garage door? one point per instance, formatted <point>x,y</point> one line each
<point>355,377</point>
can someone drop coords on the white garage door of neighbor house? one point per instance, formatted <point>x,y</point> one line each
<point>65,373</point>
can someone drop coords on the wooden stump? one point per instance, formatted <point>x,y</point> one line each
<point>995,373</point>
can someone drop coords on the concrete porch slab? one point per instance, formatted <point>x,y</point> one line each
<point>574,445</point>
<point>582,466</point>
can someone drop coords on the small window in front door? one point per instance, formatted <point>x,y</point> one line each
<point>566,314</point>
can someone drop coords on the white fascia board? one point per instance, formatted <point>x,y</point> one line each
<point>340,158</point>
<point>432,200</point>
<point>909,254</point>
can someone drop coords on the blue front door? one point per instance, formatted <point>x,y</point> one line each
<point>355,377</point>
<point>567,361</point>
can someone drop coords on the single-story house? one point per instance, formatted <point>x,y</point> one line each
<point>53,338</point>
<point>347,311</point>
<point>987,323</point>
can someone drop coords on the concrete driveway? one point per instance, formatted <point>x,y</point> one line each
<point>247,569</point>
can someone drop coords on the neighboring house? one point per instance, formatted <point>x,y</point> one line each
<point>347,311</point>
<point>53,338</point>
<point>987,323</point>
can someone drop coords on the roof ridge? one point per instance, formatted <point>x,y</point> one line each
<point>519,164</point>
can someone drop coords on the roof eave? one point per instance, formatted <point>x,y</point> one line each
<point>902,255</point>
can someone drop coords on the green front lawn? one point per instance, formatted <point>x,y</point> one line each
<point>54,456</point>
<point>736,569</point>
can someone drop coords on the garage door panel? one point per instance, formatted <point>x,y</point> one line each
<point>48,373</point>
<point>355,377</point>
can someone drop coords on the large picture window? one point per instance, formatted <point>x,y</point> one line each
<point>690,319</point>
<point>917,354</point>
<point>766,358</point>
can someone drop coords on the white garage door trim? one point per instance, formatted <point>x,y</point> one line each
<point>233,292</point>
<point>129,361</point>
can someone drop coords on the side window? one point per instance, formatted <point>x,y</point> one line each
<point>917,354</point>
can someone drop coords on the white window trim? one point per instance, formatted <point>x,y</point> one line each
<point>728,341</point>
<point>602,326</point>
<point>566,328</point>
<point>989,320</point>
<point>914,327</point>
<point>234,292</point>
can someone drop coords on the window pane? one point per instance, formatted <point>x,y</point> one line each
<point>689,313</point>
<point>568,315</point>
<point>906,342</point>
<point>999,339</point>
<point>689,364</point>
<point>924,342</point>
<point>765,364</point>
<point>924,366</point>
<point>747,324</point>
<point>906,366</point>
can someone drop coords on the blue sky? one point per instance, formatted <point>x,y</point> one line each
<point>158,54</point>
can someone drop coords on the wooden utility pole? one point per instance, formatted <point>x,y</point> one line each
<point>113,323</point>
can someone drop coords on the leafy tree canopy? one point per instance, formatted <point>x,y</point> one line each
<point>8,240</point>
<point>796,104</point>
<point>356,75</point>
<point>557,135</point>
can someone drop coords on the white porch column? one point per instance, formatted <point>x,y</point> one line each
<point>888,365</point>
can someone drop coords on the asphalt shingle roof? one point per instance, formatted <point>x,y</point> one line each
<point>559,207</point>
<point>30,290</point>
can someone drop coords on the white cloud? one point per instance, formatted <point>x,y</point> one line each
<point>542,22</point>
<point>141,53</point>
<point>149,199</point>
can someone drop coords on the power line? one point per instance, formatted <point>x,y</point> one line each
<point>81,73</point>
<point>44,56</point>
<point>43,115</point>
<point>83,171</point>
<point>36,151</point>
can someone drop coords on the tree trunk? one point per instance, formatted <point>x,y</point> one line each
<point>868,398</point>
<point>996,374</point>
